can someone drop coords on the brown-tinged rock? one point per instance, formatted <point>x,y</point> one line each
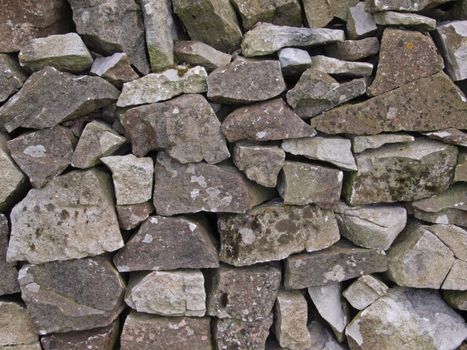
<point>364,291</point>
<point>461,167</point>
<point>353,50</point>
<point>8,283</point>
<point>457,299</point>
<point>451,136</point>
<point>116,69</point>
<point>16,329</point>
<point>452,41</point>
<point>456,279</point>
<point>454,237</point>
<point>130,216</point>
<point>362,143</point>
<point>11,77</point>
<point>198,53</point>
<point>320,12</point>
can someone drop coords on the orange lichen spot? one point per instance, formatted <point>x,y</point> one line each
<point>409,45</point>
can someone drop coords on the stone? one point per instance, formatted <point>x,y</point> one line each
<point>11,77</point>
<point>273,231</point>
<point>363,143</point>
<point>334,150</point>
<point>360,23</point>
<point>321,337</point>
<point>169,243</point>
<point>186,127</point>
<point>245,81</point>
<point>320,12</point>
<point>198,53</point>
<point>116,69</point>
<point>16,330</point>
<point>265,38</point>
<point>364,291</point>
<point>72,295</point>
<point>452,42</point>
<point>402,6</point>
<point>163,86</point>
<point>407,20</point>
<point>457,299</point>
<point>317,92</point>
<point>294,61</point>
<point>8,283</point>
<point>50,97</point>
<point>111,26</point>
<point>130,216</point>
<point>353,50</point>
<point>96,141</point>
<point>454,237</point>
<point>445,216</point>
<point>456,279</point>
<point>305,183</point>
<point>243,293</point>
<point>409,319</point>
<point>413,55</point>
<point>213,22</point>
<point>132,178</point>
<point>70,217</point>
<point>168,293</point>
<point>338,67</point>
<point>461,168</point>
<point>291,320</point>
<point>43,154</point>
<point>142,332</point>
<point>451,136</point>
<point>338,263</point>
<point>371,226</point>
<point>404,172</point>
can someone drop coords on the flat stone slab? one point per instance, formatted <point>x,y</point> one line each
<point>451,136</point>
<point>337,67</point>
<point>198,53</point>
<point>353,50</point>
<point>402,6</point>
<point>11,77</point>
<point>363,143</point>
<point>407,20</point>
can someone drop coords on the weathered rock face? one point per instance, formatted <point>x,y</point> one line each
<point>456,279</point>
<point>198,53</point>
<point>452,40</point>
<point>360,23</point>
<point>320,12</point>
<point>130,216</point>
<point>71,217</point>
<point>116,69</point>
<point>362,143</point>
<point>16,329</point>
<point>294,61</point>
<point>334,66</point>
<point>457,299</point>
<point>451,136</point>
<point>8,283</point>
<point>402,6</point>
<point>461,168</point>
<point>407,20</point>
<point>454,237</point>
<point>11,77</point>
<point>322,338</point>
<point>365,291</point>
<point>353,50</point>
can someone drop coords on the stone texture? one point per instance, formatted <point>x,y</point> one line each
<point>409,319</point>
<point>454,237</point>
<point>402,6</point>
<point>456,279</point>
<point>163,86</point>
<point>273,231</point>
<point>321,337</point>
<point>8,283</point>
<point>338,67</point>
<point>16,329</point>
<point>320,12</point>
<point>73,295</point>
<point>243,293</point>
<point>11,77</point>
<point>362,143</point>
<point>50,97</point>
<point>407,20</point>
<point>116,69</point>
<point>169,243</point>
<point>451,136</point>
<point>70,217</point>
<point>245,81</point>
<point>130,216</point>
<point>452,41</point>
<point>353,50</point>
<point>199,53</point>
<point>364,291</point>
<point>457,299</point>
<point>360,23</point>
<point>294,61</point>
<point>338,263</point>
<point>461,168</point>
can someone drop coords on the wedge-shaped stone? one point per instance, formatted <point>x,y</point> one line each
<point>338,263</point>
<point>50,97</point>
<point>116,69</point>
<point>338,67</point>
<point>401,5</point>
<point>452,41</point>
<point>199,53</point>
<point>9,282</point>
<point>353,50</point>
<point>456,279</point>
<point>452,236</point>
<point>451,136</point>
<point>169,243</point>
<point>365,291</point>
<point>72,295</point>
<point>407,20</point>
<point>130,216</point>
<point>16,329</point>
<point>320,12</point>
<point>401,173</point>
<point>359,22</point>
<point>70,217</point>
<point>266,38</point>
<point>457,299</point>
<point>362,143</point>
<point>11,77</point>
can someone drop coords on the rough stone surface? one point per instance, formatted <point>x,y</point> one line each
<point>115,68</point>
<point>451,136</point>
<point>407,20</point>
<point>294,61</point>
<point>457,299</point>
<point>365,291</point>
<point>8,283</point>
<point>16,328</point>
<point>11,77</point>
<point>456,279</point>
<point>360,23</point>
<point>452,40</point>
<point>461,168</point>
<point>130,216</point>
<point>199,53</point>
<point>353,50</point>
<point>322,338</point>
<point>338,67</point>
<point>362,143</point>
<point>320,12</point>
<point>454,237</point>
<point>401,5</point>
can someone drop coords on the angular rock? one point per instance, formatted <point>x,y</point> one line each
<point>360,23</point>
<point>452,42</point>
<point>317,92</point>
<point>454,237</point>
<point>199,53</point>
<point>365,291</point>
<point>112,26</point>
<point>338,263</point>
<point>50,97</point>
<point>245,81</point>
<point>461,168</point>
<point>11,77</point>
<point>213,22</point>
<point>409,319</point>
<point>265,38</point>
<point>451,136</point>
<point>320,12</point>
<point>456,279</point>
<point>132,178</point>
<point>401,5</point>
<point>353,50</point>
<point>338,67</point>
<point>445,216</point>
<point>8,283</point>
<point>116,69</point>
<point>407,20</point>
<point>412,55</point>
<point>70,217</point>
<point>294,61</point>
<point>143,332</point>
<point>16,329</point>
<point>362,143</point>
<point>168,293</point>
<point>243,293</point>
<point>305,183</point>
<point>321,337</point>
<point>186,127</point>
<point>163,86</point>
<point>457,299</point>
<point>169,243</point>
<point>72,295</point>
<point>130,216</point>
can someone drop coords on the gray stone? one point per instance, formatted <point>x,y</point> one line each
<point>445,216</point>
<point>451,136</point>
<point>454,237</point>
<point>452,41</point>
<point>353,50</point>
<point>456,279</point>
<point>199,53</point>
<point>320,12</point>
<point>294,61</point>
<point>407,20</point>
<point>50,97</point>
<point>70,217</point>
<point>322,338</point>
<point>461,168</point>
<point>116,69</point>
<point>360,23</point>
<point>11,77</point>
<point>457,299</point>
<point>130,216</point>
<point>401,5</point>
<point>16,329</point>
<point>362,143</point>
<point>338,67</point>
<point>8,283</point>
<point>365,291</point>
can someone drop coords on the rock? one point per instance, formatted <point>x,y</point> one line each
<point>317,92</point>
<point>461,168</point>
<point>321,337</point>
<point>365,291</point>
<point>412,55</point>
<point>96,141</point>
<point>360,23</point>
<point>407,20</point>
<point>265,121</point>
<point>243,293</point>
<point>402,6</point>
<point>320,12</point>
<point>409,319</point>
<point>169,243</point>
<point>168,293</point>
<point>260,164</point>
<point>452,42</point>
<point>163,86</point>
<point>43,154</point>
<point>334,150</point>
<point>372,226</point>
<point>305,183</point>
<point>454,237</point>
<point>273,231</point>
<point>213,22</point>
<point>70,217</point>
<point>16,330</point>
<point>245,81</point>
<point>445,216</point>
<point>8,283</point>
<point>431,103</point>
<point>130,216</point>
<point>199,53</point>
<point>50,97</point>
<point>116,69</point>
<point>72,295</point>
<point>291,320</point>
<point>407,172</point>
<point>132,178</point>
<point>112,26</point>
<point>11,77</point>
<point>294,61</point>
<point>338,67</point>
<point>142,332</point>
<point>451,136</point>
<point>457,299</point>
<point>265,38</point>
<point>186,127</point>
<point>362,143</point>
<point>332,265</point>
<point>456,279</point>
<point>353,50</point>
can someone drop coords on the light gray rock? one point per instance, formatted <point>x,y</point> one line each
<point>364,291</point>
<point>452,41</point>
<point>456,279</point>
<point>130,216</point>
<point>9,282</point>
<point>461,167</point>
<point>116,69</point>
<point>294,61</point>
<point>402,6</point>
<point>11,77</point>
<point>362,143</point>
<point>353,50</point>
<point>407,20</point>
<point>320,12</point>
<point>451,136</point>
<point>199,53</point>
<point>360,23</point>
<point>338,67</point>
<point>454,237</point>
<point>16,329</point>
<point>322,338</point>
